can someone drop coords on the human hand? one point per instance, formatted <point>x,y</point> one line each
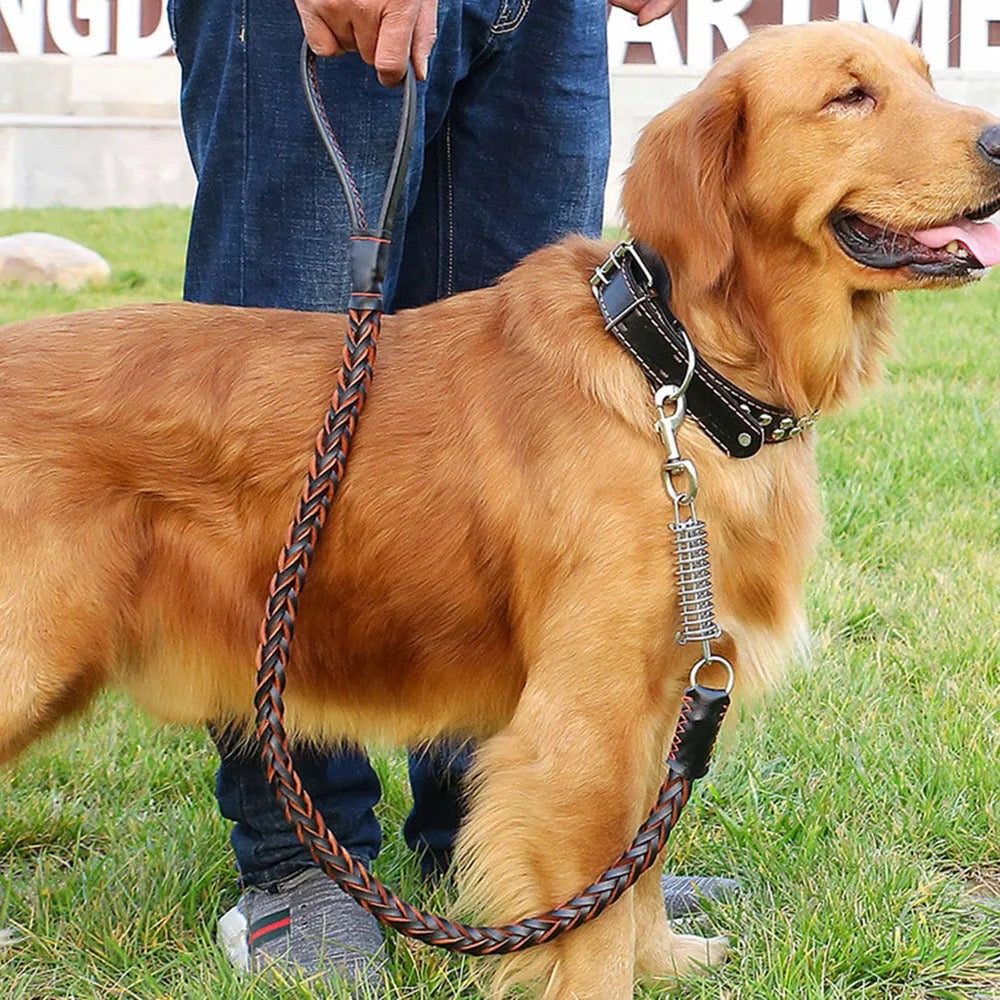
<point>646,10</point>
<point>387,34</point>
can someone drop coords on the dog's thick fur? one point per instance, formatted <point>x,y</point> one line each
<point>498,563</point>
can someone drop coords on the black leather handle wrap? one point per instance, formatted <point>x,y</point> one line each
<point>702,712</point>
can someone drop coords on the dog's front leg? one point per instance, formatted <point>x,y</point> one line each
<point>595,961</point>
<point>553,806</point>
<point>558,795</point>
<point>660,952</point>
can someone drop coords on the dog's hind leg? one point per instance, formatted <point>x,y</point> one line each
<point>36,696</point>
<point>59,608</point>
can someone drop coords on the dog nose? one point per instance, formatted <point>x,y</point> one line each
<point>989,144</point>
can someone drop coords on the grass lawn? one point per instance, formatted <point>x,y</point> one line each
<point>859,806</point>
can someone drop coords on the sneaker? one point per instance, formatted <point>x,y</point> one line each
<point>685,894</point>
<point>305,925</point>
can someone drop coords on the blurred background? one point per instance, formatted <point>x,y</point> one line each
<point>88,88</point>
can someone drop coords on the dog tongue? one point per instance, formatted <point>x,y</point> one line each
<point>981,238</point>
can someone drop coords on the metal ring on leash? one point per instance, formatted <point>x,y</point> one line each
<point>694,738</point>
<point>708,659</point>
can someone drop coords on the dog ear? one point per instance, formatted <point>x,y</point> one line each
<point>679,194</point>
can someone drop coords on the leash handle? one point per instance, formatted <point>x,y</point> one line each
<point>369,250</point>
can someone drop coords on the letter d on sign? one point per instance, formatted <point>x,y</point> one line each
<point>129,39</point>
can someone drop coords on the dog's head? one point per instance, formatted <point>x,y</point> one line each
<point>823,144</point>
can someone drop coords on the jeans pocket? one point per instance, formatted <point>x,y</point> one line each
<point>510,15</point>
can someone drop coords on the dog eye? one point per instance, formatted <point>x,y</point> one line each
<point>857,98</point>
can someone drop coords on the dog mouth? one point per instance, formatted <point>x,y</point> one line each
<point>956,248</point>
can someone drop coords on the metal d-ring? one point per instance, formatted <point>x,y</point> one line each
<point>713,658</point>
<point>673,393</point>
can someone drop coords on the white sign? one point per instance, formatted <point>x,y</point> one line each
<point>84,27</point>
<point>670,37</point>
<point>139,28</point>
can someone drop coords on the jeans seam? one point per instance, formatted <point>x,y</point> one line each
<point>446,281</point>
<point>500,26</point>
<point>245,179</point>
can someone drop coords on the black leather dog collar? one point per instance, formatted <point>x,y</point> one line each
<point>632,288</point>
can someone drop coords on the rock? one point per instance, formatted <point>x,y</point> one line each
<point>46,259</point>
<point>9,937</point>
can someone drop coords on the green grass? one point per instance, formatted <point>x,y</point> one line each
<point>145,248</point>
<point>859,805</point>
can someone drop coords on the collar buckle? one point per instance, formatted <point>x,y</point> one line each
<point>603,273</point>
<point>615,265</point>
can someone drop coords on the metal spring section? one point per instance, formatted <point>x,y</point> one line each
<point>694,576</point>
<point>694,582</point>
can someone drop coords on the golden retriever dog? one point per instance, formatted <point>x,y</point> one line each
<point>498,564</point>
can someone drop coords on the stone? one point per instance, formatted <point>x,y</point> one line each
<point>9,937</point>
<point>46,259</point>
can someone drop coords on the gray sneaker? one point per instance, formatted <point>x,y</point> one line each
<point>684,894</point>
<point>308,925</point>
<point>304,925</point>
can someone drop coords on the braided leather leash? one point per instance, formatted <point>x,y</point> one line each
<point>702,708</point>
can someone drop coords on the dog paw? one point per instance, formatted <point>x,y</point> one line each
<point>688,953</point>
<point>716,950</point>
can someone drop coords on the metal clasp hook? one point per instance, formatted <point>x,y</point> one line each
<point>668,423</point>
<point>666,427</point>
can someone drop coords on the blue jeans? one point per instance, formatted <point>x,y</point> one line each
<point>511,152</point>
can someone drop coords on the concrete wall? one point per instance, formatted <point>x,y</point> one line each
<point>102,86</point>
<point>92,162</point>
<point>91,132</point>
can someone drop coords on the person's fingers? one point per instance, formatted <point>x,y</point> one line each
<point>424,36</point>
<point>632,6</point>
<point>385,33</point>
<point>654,9</point>
<point>646,10</point>
<point>319,35</point>
<point>366,35</point>
<point>394,43</point>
